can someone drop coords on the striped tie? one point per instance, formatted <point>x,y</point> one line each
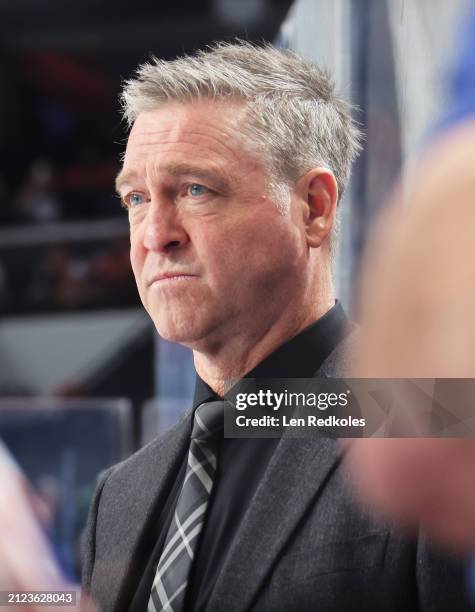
<point>173,569</point>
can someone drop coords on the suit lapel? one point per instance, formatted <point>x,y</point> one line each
<point>144,481</point>
<point>280,501</point>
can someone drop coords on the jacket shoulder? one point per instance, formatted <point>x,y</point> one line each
<point>339,362</point>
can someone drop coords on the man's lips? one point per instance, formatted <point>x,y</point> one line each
<point>170,276</point>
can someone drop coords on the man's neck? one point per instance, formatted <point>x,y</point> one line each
<point>223,366</point>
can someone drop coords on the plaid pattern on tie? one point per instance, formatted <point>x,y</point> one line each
<point>173,569</point>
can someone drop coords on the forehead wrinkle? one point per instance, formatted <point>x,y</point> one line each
<point>217,164</point>
<point>221,128</point>
<point>149,141</point>
<point>215,160</point>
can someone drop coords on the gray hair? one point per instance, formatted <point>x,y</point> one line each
<point>294,116</point>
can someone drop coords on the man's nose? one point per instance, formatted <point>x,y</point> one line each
<point>164,230</point>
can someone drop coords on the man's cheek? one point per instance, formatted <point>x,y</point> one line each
<point>136,261</point>
<point>136,254</point>
<point>135,269</point>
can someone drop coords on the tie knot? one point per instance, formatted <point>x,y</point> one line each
<point>208,420</point>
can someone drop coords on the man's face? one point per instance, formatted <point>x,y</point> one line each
<point>212,255</point>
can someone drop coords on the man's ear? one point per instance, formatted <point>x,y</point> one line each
<point>319,191</point>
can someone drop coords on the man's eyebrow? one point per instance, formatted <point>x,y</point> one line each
<point>181,169</point>
<point>124,176</point>
<point>177,169</point>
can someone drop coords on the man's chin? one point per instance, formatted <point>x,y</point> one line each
<point>186,335</point>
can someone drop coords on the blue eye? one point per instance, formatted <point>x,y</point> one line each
<point>135,199</point>
<point>197,190</point>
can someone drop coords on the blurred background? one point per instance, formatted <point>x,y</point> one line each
<point>84,380</point>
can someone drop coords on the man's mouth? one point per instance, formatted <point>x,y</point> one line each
<point>170,277</point>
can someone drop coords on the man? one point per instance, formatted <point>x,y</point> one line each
<point>235,163</point>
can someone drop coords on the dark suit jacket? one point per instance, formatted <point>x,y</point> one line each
<point>303,545</point>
